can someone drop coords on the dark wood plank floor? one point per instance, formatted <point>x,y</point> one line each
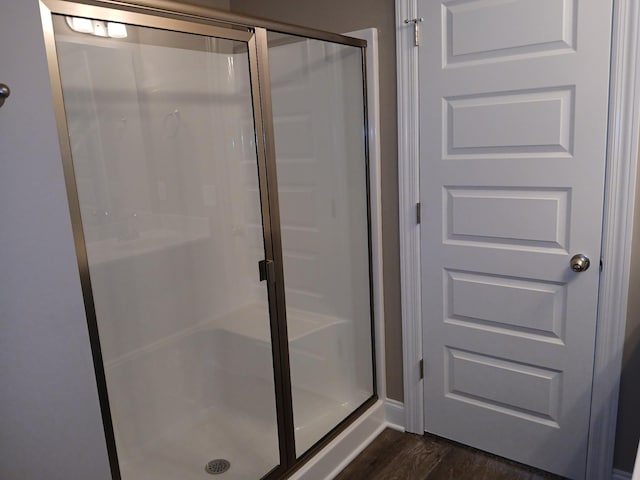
<point>404,456</point>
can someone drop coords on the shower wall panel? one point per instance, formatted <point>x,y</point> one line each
<point>169,174</point>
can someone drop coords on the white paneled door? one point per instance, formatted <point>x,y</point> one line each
<point>513,119</point>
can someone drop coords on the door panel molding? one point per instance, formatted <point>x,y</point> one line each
<point>622,152</point>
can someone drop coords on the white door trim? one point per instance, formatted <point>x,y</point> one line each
<point>409,196</point>
<point>622,154</point>
<point>617,229</point>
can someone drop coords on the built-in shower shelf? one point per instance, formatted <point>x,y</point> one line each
<point>252,321</point>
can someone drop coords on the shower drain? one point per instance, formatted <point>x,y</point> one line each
<point>217,466</point>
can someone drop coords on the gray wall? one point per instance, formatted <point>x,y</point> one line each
<point>345,16</point>
<point>219,4</point>
<point>628,430</point>
<point>50,425</point>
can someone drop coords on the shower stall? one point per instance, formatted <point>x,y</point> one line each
<point>216,171</point>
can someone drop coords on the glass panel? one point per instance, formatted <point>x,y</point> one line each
<point>317,95</point>
<point>162,136</point>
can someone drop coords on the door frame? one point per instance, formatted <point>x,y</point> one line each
<point>617,228</point>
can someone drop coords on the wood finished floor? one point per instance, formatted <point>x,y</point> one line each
<point>403,456</point>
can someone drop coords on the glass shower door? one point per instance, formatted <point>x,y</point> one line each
<point>319,132</point>
<point>166,191</point>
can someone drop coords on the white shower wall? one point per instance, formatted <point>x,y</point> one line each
<point>172,174</point>
<point>164,157</point>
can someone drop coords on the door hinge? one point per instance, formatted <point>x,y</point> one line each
<point>418,213</point>
<point>601,264</point>
<point>416,29</point>
<point>421,368</point>
<point>265,269</point>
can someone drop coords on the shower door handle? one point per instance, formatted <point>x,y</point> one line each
<point>265,268</point>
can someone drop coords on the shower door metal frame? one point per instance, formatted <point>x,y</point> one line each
<point>264,79</point>
<point>190,19</point>
<point>265,82</point>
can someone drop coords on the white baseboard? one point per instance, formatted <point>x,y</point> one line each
<point>620,475</point>
<point>349,444</point>
<point>394,411</point>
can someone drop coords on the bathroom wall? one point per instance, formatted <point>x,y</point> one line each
<point>50,423</point>
<point>628,429</point>
<point>219,4</point>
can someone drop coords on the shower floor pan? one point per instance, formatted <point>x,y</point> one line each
<point>250,447</point>
<point>229,416</point>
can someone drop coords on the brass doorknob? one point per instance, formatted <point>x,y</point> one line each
<point>580,263</point>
